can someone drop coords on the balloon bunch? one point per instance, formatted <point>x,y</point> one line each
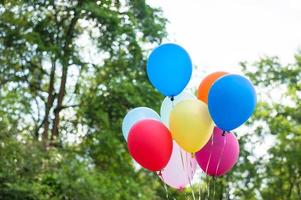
<point>189,130</point>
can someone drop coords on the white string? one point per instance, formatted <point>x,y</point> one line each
<point>221,156</point>
<point>165,186</point>
<point>208,186</point>
<point>189,180</point>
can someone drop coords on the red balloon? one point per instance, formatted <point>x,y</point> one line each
<point>150,144</point>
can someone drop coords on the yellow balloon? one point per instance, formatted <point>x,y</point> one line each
<point>191,125</point>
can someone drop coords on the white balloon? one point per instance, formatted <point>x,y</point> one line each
<point>135,115</point>
<point>167,105</point>
<point>180,169</point>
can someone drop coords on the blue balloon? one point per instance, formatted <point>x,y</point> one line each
<point>231,101</point>
<point>135,115</point>
<point>169,69</point>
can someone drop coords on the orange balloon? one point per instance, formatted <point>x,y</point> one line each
<point>206,84</point>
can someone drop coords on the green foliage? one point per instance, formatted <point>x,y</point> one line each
<point>269,165</point>
<point>62,102</point>
<point>280,121</point>
<point>47,83</point>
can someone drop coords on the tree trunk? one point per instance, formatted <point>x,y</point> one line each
<point>49,103</point>
<point>65,64</point>
<point>60,98</point>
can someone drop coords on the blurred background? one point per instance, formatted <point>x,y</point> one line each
<point>70,70</point>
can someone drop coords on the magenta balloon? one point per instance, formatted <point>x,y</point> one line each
<point>174,174</point>
<point>218,157</point>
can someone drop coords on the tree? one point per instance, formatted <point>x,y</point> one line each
<point>65,98</point>
<point>40,43</point>
<point>269,162</point>
<point>279,119</point>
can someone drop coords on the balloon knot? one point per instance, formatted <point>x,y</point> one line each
<point>172,98</point>
<point>224,133</point>
<point>192,155</point>
<point>160,173</point>
<point>181,189</point>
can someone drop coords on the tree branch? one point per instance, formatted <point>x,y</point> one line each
<point>49,104</point>
<point>65,59</point>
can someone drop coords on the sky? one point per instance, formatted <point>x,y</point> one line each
<point>218,34</point>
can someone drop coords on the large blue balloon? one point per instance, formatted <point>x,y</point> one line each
<point>169,69</point>
<point>231,101</point>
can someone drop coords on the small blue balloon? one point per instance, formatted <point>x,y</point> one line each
<point>231,101</point>
<point>169,69</point>
<point>135,115</point>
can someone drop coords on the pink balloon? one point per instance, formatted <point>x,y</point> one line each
<point>220,154</point>
<point>174,174</point>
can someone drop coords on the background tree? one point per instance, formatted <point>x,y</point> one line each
<point>269,163</point>
<point>278,119</point>
<point>69,72</point>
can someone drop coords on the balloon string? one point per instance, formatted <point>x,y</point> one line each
<point>182,159</point>
<point>210,155</point>
<point>187,173</point>
<point>208,187</point>
<point>192,190</point>
<point>165,187</point>
<point>200,189</point>
<point>221,155</point>
<point>224,133</point>
<point>219,162</point>
<point>207,165</point>
<point>189,178</point>
<point>214,181</point>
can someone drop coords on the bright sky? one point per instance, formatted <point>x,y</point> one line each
<point>219,34</point>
